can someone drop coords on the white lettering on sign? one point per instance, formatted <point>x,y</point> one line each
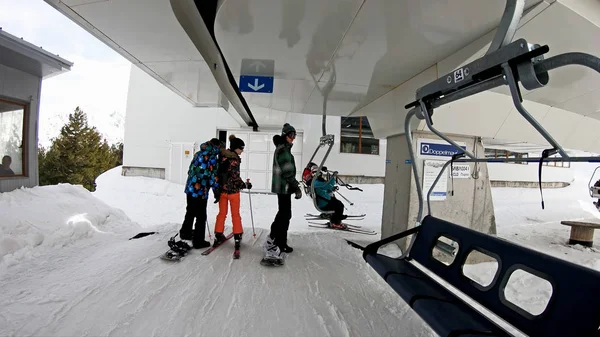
<point>461,171</point>
<point>459,75</point>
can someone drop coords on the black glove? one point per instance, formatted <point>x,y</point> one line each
<point>217,196</point>
<point>298,193</point>
<point>248,185</point>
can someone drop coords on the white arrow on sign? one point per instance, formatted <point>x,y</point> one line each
<point>257,65</point>
<point>256,87</point>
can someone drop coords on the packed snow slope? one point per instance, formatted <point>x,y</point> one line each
<point>67,267</point>
<point>70,270</point>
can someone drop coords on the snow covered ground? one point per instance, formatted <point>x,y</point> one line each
<point>68,268</point>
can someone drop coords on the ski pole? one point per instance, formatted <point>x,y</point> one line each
<point>351,203</point>
<point>209,236</point>
<point>251,215</point>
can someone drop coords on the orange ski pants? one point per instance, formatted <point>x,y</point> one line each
<point>236,219</point>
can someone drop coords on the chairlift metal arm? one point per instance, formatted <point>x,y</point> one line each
<point>508,24</point>
<point>530,73</point>
<point>340,182</point>
<point>409,140</point>
<point>517,99</point>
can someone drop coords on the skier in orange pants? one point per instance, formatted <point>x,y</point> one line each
<point>229,195</point>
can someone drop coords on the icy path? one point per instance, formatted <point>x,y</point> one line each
<point>120,288</point>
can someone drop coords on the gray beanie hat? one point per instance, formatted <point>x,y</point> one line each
<point>287,128</point>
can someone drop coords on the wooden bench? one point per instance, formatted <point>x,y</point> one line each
<point>582,232</point>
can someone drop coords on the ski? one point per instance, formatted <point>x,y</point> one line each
<point>326,216</point>
<point>327,224</point>
<point>348,229</point>
<point>319,218</point>
<point>210,250</point>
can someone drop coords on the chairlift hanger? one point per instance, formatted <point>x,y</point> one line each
<point>505,63</point>
<point>594,190</point>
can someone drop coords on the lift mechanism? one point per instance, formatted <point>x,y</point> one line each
<point>454,307</point>
<point>326,141</point>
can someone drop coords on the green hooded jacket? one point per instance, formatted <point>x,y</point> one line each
<point>284,168</point>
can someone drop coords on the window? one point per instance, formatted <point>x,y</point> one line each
<point>357,136</point>
<point>493,153</point>
<point>12,120</point>
<point>565,164</point>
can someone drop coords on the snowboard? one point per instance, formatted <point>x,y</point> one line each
<point>273,262</point>
<point>176,251</point>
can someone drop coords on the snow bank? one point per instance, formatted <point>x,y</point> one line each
<point>152,202</point>
<point>52,217</point>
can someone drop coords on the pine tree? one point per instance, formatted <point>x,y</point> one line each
<point>77,156</point>
<point>117,151</point>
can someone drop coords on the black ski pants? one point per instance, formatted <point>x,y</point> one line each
<point>196,209</point>
<point>337,206</point>
<point>281,224</point>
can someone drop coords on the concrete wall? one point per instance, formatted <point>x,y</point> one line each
<point>470,206</point>
<point>156,117</point>
<point>529,173</point>
<point>359,166</point>
<point>22,87</point>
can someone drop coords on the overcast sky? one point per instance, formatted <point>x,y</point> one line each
<point>97,82</point>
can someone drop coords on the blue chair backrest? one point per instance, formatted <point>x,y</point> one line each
<point>573,308</point>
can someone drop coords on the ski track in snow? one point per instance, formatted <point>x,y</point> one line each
<point>120,287</point>
<point>69,270</point>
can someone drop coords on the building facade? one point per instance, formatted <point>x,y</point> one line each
<point>163,131</point>
<point>23,66</point>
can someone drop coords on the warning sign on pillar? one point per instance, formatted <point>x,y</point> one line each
<point>431,169</point>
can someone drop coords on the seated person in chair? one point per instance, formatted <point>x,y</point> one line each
<point>597,203</point>
<point>324,192</point>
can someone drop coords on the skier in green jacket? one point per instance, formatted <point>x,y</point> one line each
<point>284,184</point>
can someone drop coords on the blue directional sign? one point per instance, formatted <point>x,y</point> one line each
<point>263,84</point>
<point>439,150</point>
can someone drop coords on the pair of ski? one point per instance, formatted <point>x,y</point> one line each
<point>325,216</point>
<point>349,228</point>
<point>177,252</point>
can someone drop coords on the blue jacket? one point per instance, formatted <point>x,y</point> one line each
<point>323,190</point>
<point>202,174</point>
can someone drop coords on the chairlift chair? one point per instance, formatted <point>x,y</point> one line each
<point>593,189</point>
<point>453,307</point>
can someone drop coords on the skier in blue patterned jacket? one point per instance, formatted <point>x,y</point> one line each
<point>202,176</point>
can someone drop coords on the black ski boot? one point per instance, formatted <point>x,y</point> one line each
<point>198,244</point>
<point>286,249</point>
<point>186,235</point>
<point>219,238</point>
<point>238,240</point>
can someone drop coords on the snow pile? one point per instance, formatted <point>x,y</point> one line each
<point>521,219</point>
<point>51,217</point>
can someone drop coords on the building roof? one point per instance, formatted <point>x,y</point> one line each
<point>27,57</point>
